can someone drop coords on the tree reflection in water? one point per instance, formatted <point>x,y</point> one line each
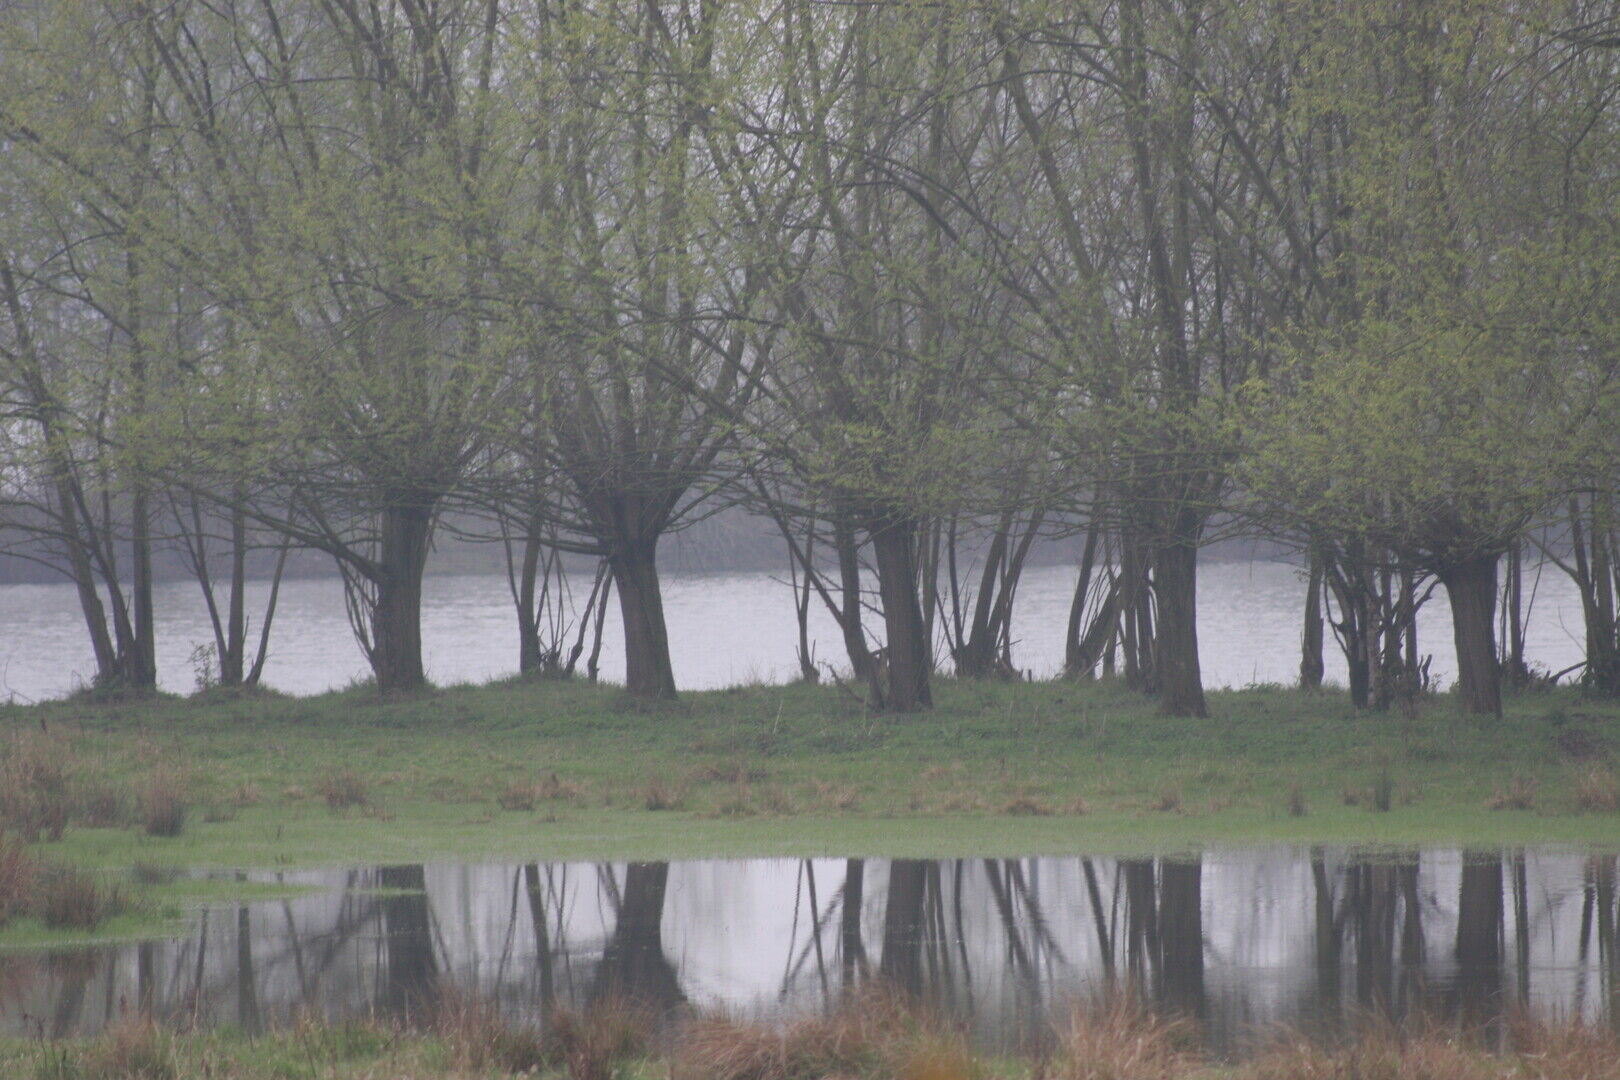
<point>1241,941</point>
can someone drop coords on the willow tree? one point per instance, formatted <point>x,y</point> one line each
<point>344,189</point>
<point>1444,407</point>
<point>90,318</point>
<point>881,407</point>
<point>625,291</point>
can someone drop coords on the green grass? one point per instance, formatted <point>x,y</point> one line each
<point>794,770</point>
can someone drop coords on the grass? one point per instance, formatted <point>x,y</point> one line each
<point>873,1035</point>
<point>559,770</point>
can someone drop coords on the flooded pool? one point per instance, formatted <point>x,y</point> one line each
<point>1248,942</point>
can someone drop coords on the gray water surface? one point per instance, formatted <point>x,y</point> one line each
<point>1248,942</point>
<point>724,629</point>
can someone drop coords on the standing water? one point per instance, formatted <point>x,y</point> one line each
<point>724,629</point>
<point>1247,942</point>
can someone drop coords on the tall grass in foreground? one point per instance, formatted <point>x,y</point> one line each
<point>874,1034</point>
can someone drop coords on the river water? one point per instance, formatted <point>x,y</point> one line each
<point>1249,942</point>
<point>724,628</point>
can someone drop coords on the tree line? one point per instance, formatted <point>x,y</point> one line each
<point>920,280</point>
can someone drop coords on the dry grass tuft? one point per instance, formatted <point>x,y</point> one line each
<point>19,874</point>
<point>1520,794</point>
<point>731,771</point>
<point>518,796</point>
<point>133,1049</point>
<point>871,1034</point>
<point>1119,1038</point>
<point>1026,806</point>
<point>1078,806</point>
<point>102,807</point>
<point>593,1044</point>
<point>736,804</point>
<point>481,1040</point>
<point>1167,800</point>
<point>35,800</point>
<point>776,801</point>
<point>657,795</point>
<point>553,788</point>
<point>1295,803</point>
<point>246,795</point>
<point>343,789</point>
<point>74,900</point>
<point>1597,789</point>
<point>161,804</point>
<point>834,796</point>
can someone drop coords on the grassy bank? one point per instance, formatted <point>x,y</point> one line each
<point>554,770</point>
<point>873,1037</point>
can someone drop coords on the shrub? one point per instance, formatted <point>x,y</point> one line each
<point>342,789</point>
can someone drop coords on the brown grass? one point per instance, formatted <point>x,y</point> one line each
<point>74,900</point>
<point>134,1048</point>
<point>343,789</point>
<point>1597,789</point>
<point>736,804</point>
<point>1026,806</point>
<point>161,804</point>
<point>553,788</point>
<point>657,795</point>
<point>1295,803</point>
<point>775,800</point>
<point>872,1034</point>
<point>1078,806</point>
<point>833,796</point>
<point>731,771</point>
<point>102,807</point>
<point>1119,1038</point>
<point>35,774</point>
<point>246,795</point>
<point>587,1045</point>
<point>1520,794</point>
<point>19,873</point>
<point>518,795</point>
<point>1168,799</point>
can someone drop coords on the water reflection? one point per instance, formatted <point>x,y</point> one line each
<point>1243,941</point>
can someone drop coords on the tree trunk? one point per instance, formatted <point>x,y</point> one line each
<point>849,619</point>
<point>1471,586</point>
<point>530,658</point>
<point>396,620</point>
<point>648,672</point>
<point>1175,585</point>
<point>233,661</point>
<point>977,655</point>
<point>1311,665</point>
<point>894,545</point>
